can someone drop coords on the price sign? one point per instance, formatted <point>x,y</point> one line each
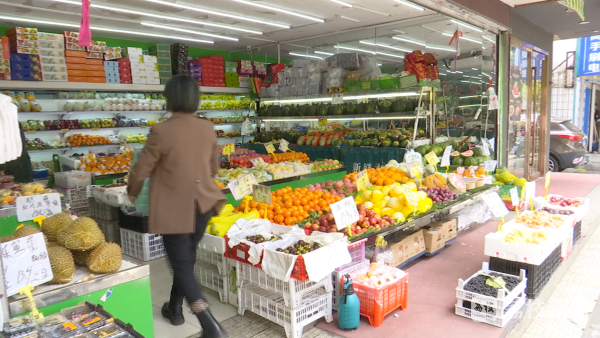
<point>490,165</point>
<point>345,212</point>
<point>283,145</point>
<point>529,190</point>
<point>486,148</point>
<point>262,193</point>
<point>25,261</point>
<point>415,169</point>
<point>258,161</point>
<point>270,148</point>
<point>228,149</point>
<point>242,186</point>
<point>432,158</point>
<point>456,181</point>
<point>411,198</point>
<point>30,207</point>
<point>547,183</point>
<point>495,203</point>
<point>446,156</point>
<point>337,98</point>
<point>362,180</point>
<point>514,196</point>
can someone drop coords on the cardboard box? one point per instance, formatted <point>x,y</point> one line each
<point>25,68</point>
<point>132,52</point>
<point>409,247</point>
<point>149,59</point>
<point>95,73</point>
<point>96,79</point>
<point>113,80</point>
<point>94,55</point>
<point>114,64</point>
<point>75,53</point>
<point>435,239</point>
<point>449,226</point>
<point>4,46</point>
<point>50,37</point>
<point>152,73</point>
<point>74,46</point>
<point>51,60</point>
<point>95,68</point>
<point>76,72</point>
<point>167,75</point>
<point>26,76</point>
<point>137,65</point>
<point>159,47</point>
<point>77,79</point>
<point>139,79</point>
<point>21,30</point>
<point>76,66</point>
<point>56,76</point>
<point>24,58</point>
<point>94,62</point>
<point>161,54</point>
<point>164,81</point>
<point>164,61</point>
<point>164,68</point>
<point>54,68</point>
<point>152,80</point>
<point>138,72</point>
<point>71,59</point>
<point>151,66</point>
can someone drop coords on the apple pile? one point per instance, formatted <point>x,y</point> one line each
<point>564,202</point>
<point>341,188</point>
<point>325,223</point>
<point>325,165</point>
<point>441,195</point>
<point>369,219</point>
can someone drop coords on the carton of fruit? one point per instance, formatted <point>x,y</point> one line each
<point>50,37</point>
<point>52,60</point>
<point>580,206</point>
<point>115,197</point>
<point>51,52</point>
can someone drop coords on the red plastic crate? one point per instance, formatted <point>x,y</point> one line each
<point>240,253</point>
<point>510,206</point>
<point>375,304</point>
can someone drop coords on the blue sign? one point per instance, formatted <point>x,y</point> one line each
<point>589,56</point>
<point>521,60</point>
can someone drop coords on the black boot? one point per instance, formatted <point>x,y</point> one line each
<point>210,327</point>
<point>174,312</point>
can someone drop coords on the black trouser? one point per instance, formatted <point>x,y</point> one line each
<point>181,252</point>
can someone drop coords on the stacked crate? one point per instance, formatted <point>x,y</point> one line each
<point>107,218</point>
<point>73,186</point>
<point>82,69</point>
<point>213,71</point>
<point>137,67</point>
<point>211,266</point>
<point>179,58</point>
<point>136,242</point>
<point>151,66</point>
<point>111,69</point>
<point>231,75</point>
<point>124,71</point>
<point>163,56</point>
<point>244,69</point>
<point>25,65</point>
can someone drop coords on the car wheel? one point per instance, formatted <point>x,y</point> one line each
<point>553,164</point>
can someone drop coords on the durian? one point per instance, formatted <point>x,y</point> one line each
<point>82,234</point>
<point>81,257</point>
<point>106,258</point>
<point>63,266</point>
<point>52,225</point>
<point>25,230</point>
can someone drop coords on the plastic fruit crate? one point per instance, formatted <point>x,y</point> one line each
<point>357,252</point>
<point>271,306</point>
<point>134,223</point>
<point>537,275</point>
<point>338,274</point>
<point>577,232</point>
<point>292,291</point>
<point>103,212</point>
<point>208,276</point>
<point>240,253</point>
<point>376,303</point>
<point>502,301</point>
<point>211,250</point>
<point>72,179</point>
<point>496,318</point>
<point>111,231</point>
<point>142,246</point>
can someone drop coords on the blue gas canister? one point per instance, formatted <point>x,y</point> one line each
<point>348,307</point>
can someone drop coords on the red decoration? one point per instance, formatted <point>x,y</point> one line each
<point>85,34</point>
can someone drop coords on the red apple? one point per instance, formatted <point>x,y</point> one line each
<point>323,229</point>
<point>314,227</point>
<point>360,206</point>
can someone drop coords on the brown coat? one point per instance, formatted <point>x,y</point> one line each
<point>181,157</point>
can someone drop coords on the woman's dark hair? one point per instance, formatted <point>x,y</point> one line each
<point>182,94</point>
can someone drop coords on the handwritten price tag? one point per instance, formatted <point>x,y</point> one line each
<point>270,148</point>
<point>547,183</point>
<point>514,196</point>
<point>415,169</point>
<point>446,156</point>
<point>495,203</point>
<point>25,261</point>
<point>242,186</point>
<point>262,193</point>
<point>258,161</point>
<point>490,165</point>
<point>456,181</point>
<point>529,190</point>
<point>30,207</point>
<point>411,198</point>
<point>345,212</point>
<point>432,158</point>
<point>228,149</point>
<point>283,145</point>
<point>362,180</point>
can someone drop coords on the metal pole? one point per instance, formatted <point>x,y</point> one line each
<point>446,112</point>
<point>417,119</point>
<point>278,53</point>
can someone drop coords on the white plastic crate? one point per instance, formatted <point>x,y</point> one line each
<point>357,253</point>
<point>211,250</point>
<point>480,314</point>
<point>72,179</point>
<point>111,230</point>
<point>142,246</point>
<point>337,277</point>
<point>292,291</point>
<point>214,258</point>
<point>271,306</point>
<point>502,301</point>
<point>208,276</point>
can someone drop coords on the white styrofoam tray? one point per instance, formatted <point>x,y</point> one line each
<point>580,211</point>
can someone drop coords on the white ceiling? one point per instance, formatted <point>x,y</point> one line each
<point>521,2</point>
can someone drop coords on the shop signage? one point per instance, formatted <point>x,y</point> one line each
<point>25,262</point>
<point>242,186</point>
<point>490,165</point>
<point>589,56</point>
<point>262,193</point>
<point>345,212</point>
<point>30,207</point>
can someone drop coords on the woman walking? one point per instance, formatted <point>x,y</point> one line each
<point>181,158</point>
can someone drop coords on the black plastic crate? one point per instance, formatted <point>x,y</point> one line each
<point>576,233</point>
<point>537,275</point>
<point>134,223</point>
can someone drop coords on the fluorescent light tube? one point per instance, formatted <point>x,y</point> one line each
<point>280,10</point>
<point>207,11</point>
<point>392,55</point>
<point>474,68</point>
<point>150,24</point>
<point>385,46</point>
<point>465,81</point>
<point>463,38</point>
<point>441,48</point>
<point>410,41</point>
<point>2,17</point>
<point>324,99</point>
<point>460,23</point>
<point>490,40</point>
<point>377,118</point>
<point>410,4</point>
<point>356,49</point>
<point>342,3</point>
<point>442,74</point>
<point>306,55</point>
<point>323,53</point>
<point>298,120</point>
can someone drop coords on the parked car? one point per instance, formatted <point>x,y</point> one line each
<point>567,146</point>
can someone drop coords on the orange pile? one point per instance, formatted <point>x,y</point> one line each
<point>480,172</point>
<point>289,157</point>
<point>383,176</point>
<point>87,140</point>
<point>109,164</point>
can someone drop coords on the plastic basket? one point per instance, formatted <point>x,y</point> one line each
<point>480,314</point>
<point>292,291</point>
<point>111,230</point>
<point>76,199</point>
<point>208,276</point>
<point>214,258</point>
<point>72,179</point>
<point>375,304</point>
<point>537,275</point>
<point>357,252</point>
<point>338,274</point>
<point>408,81</point>
<point>132,222</point>
<point>103,212</point>
<point>142,246</point>
<point>577,232</point>
<point>271,306</point>
<point>240,253</point>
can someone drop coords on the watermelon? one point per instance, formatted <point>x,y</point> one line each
<point>322,110</point>
<point>384,106</point>
<point>293,111</point>
<point>467,153</point>
<point>457,161</point>
<point>482,159</point>
<point>358,143</point>
<point>424,149</point>
<point>437,150</point>
<point>398,106</point>
<point>404,143</point>
<point>469,161</point>
<point>464,147</point>
<point>454,154</point>
<point>477,151</point>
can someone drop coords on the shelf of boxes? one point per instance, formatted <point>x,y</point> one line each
<point>106,87</point>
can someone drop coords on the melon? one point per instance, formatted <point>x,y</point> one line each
<point>477,151</point>
<point>437,150</point>
<point>454,154</point>
<point>467,153</point>
<point>457,161</point>
<point>469,161</point>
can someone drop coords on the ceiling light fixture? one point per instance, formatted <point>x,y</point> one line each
<point>150,24</point>
<point>280,10</point>
<point>202,10</point>
<point>386,46</point>
<point>100,28</point>
<point>460,23</point>
<point>356,49</point>
<point>370,10</point>
<point>323,53</point>
<point>410,4</point>
<point>306,55</point>
<point>441,48</point>
<point>342,3</point>
<point>442,74</point>
<point>489,39</point>
<point>163,17</point>
<point>474,68</point>
<point>483,47</point>
<point>392,55</point>
<point>464,38</point>
<point>583,22</point>
<point>346,18</point>
<point>465,81</point>
<point>409,40</point>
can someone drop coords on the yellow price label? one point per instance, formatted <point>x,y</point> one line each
<point>415,169</point>
<point>531,203</point>
<point>500,224</point>
<point>323,122</point>
<point>39,220</point>
<point>447,168</point>
<point>547,183</point>
<point>229,149</point>
<point>411,198</point>
<point>242,186</point>
<point>362,180</point>
<point>270,148</point>
<point>432,158</point>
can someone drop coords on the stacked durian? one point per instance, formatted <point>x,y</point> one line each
<point>72,242</point>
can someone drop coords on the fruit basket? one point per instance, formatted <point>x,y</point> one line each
<point>240,253</point>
